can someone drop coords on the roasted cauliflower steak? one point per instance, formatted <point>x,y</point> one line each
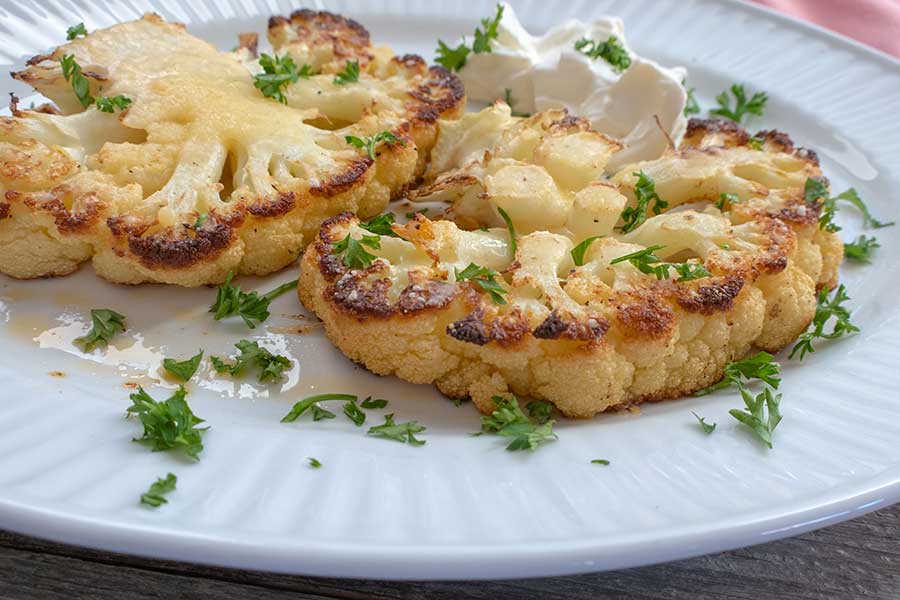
<point>202,175</point>
<point>603,332</point>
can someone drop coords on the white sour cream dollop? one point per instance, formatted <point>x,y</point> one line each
<point>547,72</point>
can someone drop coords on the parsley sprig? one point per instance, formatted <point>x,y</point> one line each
<point>155,496</point>
<point>861,249</point>
<point>252,355</point>
<point>742,107</point>
<point>707,427</point>
<point>645,192</point>
<point>815,189</point>
<point>184,369</point>
<point>400,432</point>
<point>508,420</point>
<point>580,250</point>
<point>350,74</point>
<point>231,300</point>
<point>761,365</point>
<point>82,88</point>
<point>648,263</point>
<point>369,143</point>
<point>353,253</point>
<point>826,308</point>
<point>484,278</point>
<point>105,324</point>
<point>612,51</point>
<point>168,425</point>
<point>278,73</point>
<point>455,58</point>
<point>691,106</point>
<point>380,225</point>
<point>761,413</point>
<point>76,30</point>
<point>312,402</point>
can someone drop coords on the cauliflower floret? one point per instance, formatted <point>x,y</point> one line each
<point>202,174</point>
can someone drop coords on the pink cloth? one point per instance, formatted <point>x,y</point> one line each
<point>872,22</point>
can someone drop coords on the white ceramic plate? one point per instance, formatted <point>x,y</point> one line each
<point>458,507</point>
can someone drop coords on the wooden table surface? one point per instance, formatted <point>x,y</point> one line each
<point>858,559</point>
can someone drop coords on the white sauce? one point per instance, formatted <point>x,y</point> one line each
<point>547,72</point>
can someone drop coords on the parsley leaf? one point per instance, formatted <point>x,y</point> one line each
<point>350,74</point>
<point>600,461</point>
<point>826,308</point>
<point>691,106</point>
<point>726,198</point>
<point>644,191</point>
<point>377,403</point>
<point>484,38</point>
<point>80,84</point>
<point>380,225</point>
<point>201,219</point>
<point>580,250</point>
<point>507,97</point>
<point>755,416</point>
<point>320,413</point>
<point>689,271</point>
<point>105,323</point>
<point>370,142</point>
<point>352,411</point>
<point>278,73</point>
<point>761,365</point>
<point>852,196</point>
<point>508,420</point>
<point>155,495</point>
<point>250,306</point>
<point>312,402</point>
<point>861,249</point>
<point>452,59</point>
<point>400,432</point>
<point>646,262</point>
<point>110,104</point>
<point>755,143</point>
<point>271,366</point>
<point>707,427</point>
<point>485,279</point>
<point>612,51</point>
<point>540,410</point>
<point>352,252</point>
<point>510,229</point>
<point>314,462</point>
<point>742,107</point>
<point>185,369</point>
<point>169,424</point>
<point>75,30</point>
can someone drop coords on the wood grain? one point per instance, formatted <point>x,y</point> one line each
<point>858,559</point>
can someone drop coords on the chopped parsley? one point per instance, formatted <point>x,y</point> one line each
<point>755,143</point>
<point>580,250</point>
<point>105,324</point>
<point>454,59</point>
<point>861,249</point>
<point>761,413</point>
<point>278,73</point>
<point>369,143</point>
<point>600,461</point>
<point>648,263</point>
<point>826,308</point>
<point>353,412</point>
<point>319,413</point>
<point>510,229</point>
<point>168,425</point>
<point>507,97</point>
<point>352,251</point>
<point>252,355</point>
<point>742,107</point>
<point>691,106</point>
<point>645,192</point>
<point>369,402</point>
<point>155,496</point>
<point>75,30</point>
<point>539,410</point>
<point>612,51</point>
<point>350,74</point>
<point>184,369</point>
<point>707,427</point>
<point>380,225</point>
<point>485,279</point>
<point>508,420</point>
<point>688,271</point>
<point>400,432</point>
<point>201,219</point>
<point>412,214</point>
<point>110,104</point>
<point>314,462</point>
<point>728,199</point>
<point>761,365</point>
<point>82,88</point>
<point>250,306</point>
<point>311,402</point>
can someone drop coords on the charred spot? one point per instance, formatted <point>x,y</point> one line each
<point>779,139</point>
<point>410,61</point>
<point>443,91</point>
<point>347,38</point>
<point>344,180</point>
<point>711,298</point>
<point>647,316</point>
<point>569,123</point>
<point>283,204</point>
<point>714,132</point>
<point>509,329</point>
<point>470,329</point>
<point>66,221</point>
<point>249,41</point>
<point>807,154</point>
<point>330,266</point>
<point>4,210</point>
<point>353,295</point>
<point>39,58</point>
<point>555,327</point>
<point>162,251</point>
<point>802,213</point>
<point>426,295</point>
